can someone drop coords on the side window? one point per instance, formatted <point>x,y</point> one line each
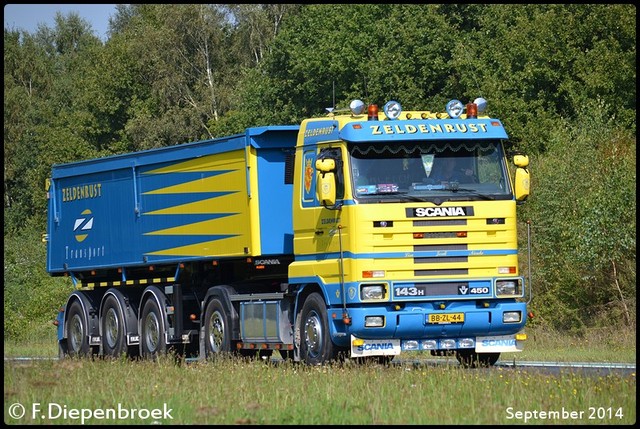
<point>308,177</point>
<point>289,162</point>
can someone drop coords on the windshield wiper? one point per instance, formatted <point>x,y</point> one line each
<point>454,188</point>
<point>472,191</point>
<point>411,197</point>
<point>396,194</point>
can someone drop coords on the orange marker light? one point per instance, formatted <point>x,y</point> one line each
<point>472,111</point>
<point>373,112</point>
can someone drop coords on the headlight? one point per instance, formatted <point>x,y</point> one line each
<point>466,343</point>
<point>511,317</point>
<point>508,287</point>
<point>371,292</point>
<point>374,321</point>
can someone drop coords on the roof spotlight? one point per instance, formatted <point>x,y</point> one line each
<point>455,108</point>
<point>481,103</point>
<point>356,107</point>
<point>392,109</point>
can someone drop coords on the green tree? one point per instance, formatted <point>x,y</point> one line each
<point>27,81</point>
<point>536,63</point>
<point>331,54</point>
<point>39,97</point>
<point>583,211</point>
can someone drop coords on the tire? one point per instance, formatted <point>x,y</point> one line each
<point>112,327</point>
<point>217,330</point>
<point>77,332</point>
<point>471,359</point>
<point>316,347</point>
<point>152,331</point>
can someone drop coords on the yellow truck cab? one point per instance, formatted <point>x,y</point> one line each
<point>404,257</point>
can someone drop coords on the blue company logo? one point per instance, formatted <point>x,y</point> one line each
<point>83,225</point>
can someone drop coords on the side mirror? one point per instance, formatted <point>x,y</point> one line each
<point>327,189</point>
<point>521,160</point>
<point>522,179</point>
<point>325,165</point>
<point>522,182</point>
<point>326,183</point>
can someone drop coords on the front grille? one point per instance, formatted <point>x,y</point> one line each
<point>439,247</point>
<point>439,260</point>
<point>442,272</point>
<point>449,222</point>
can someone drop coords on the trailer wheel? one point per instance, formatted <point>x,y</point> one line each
<point>217,330</point>
<point>77,332</point>
<point>152,334</point>
<point>316,347</point>
<point>114,342</point>
<point>471,359</point>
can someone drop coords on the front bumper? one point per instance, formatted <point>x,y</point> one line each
<point>393,347</point>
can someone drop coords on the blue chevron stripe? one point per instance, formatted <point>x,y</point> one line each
<point>154,182</point>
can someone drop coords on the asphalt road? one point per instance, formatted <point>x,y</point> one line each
<point>596,369</point>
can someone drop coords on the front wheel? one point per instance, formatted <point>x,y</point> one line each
<point>316,347</point>
<point>471,359</point>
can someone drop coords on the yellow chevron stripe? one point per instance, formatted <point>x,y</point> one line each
<point>210,205</point>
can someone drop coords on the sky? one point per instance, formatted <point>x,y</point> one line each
<point>27,16</point>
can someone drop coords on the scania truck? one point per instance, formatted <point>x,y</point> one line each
<point>361,234</point>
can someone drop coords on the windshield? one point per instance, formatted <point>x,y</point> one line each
<point>426,170</point>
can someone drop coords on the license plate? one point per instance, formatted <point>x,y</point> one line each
<point>446,318</point>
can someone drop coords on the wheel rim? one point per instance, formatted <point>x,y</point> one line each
<point>216,332</point>
<point>76,333</point>
<point>152,332</point>
<point>313,334</point>
<point>111,327</point>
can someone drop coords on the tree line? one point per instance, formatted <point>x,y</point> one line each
<point>561,77</point>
